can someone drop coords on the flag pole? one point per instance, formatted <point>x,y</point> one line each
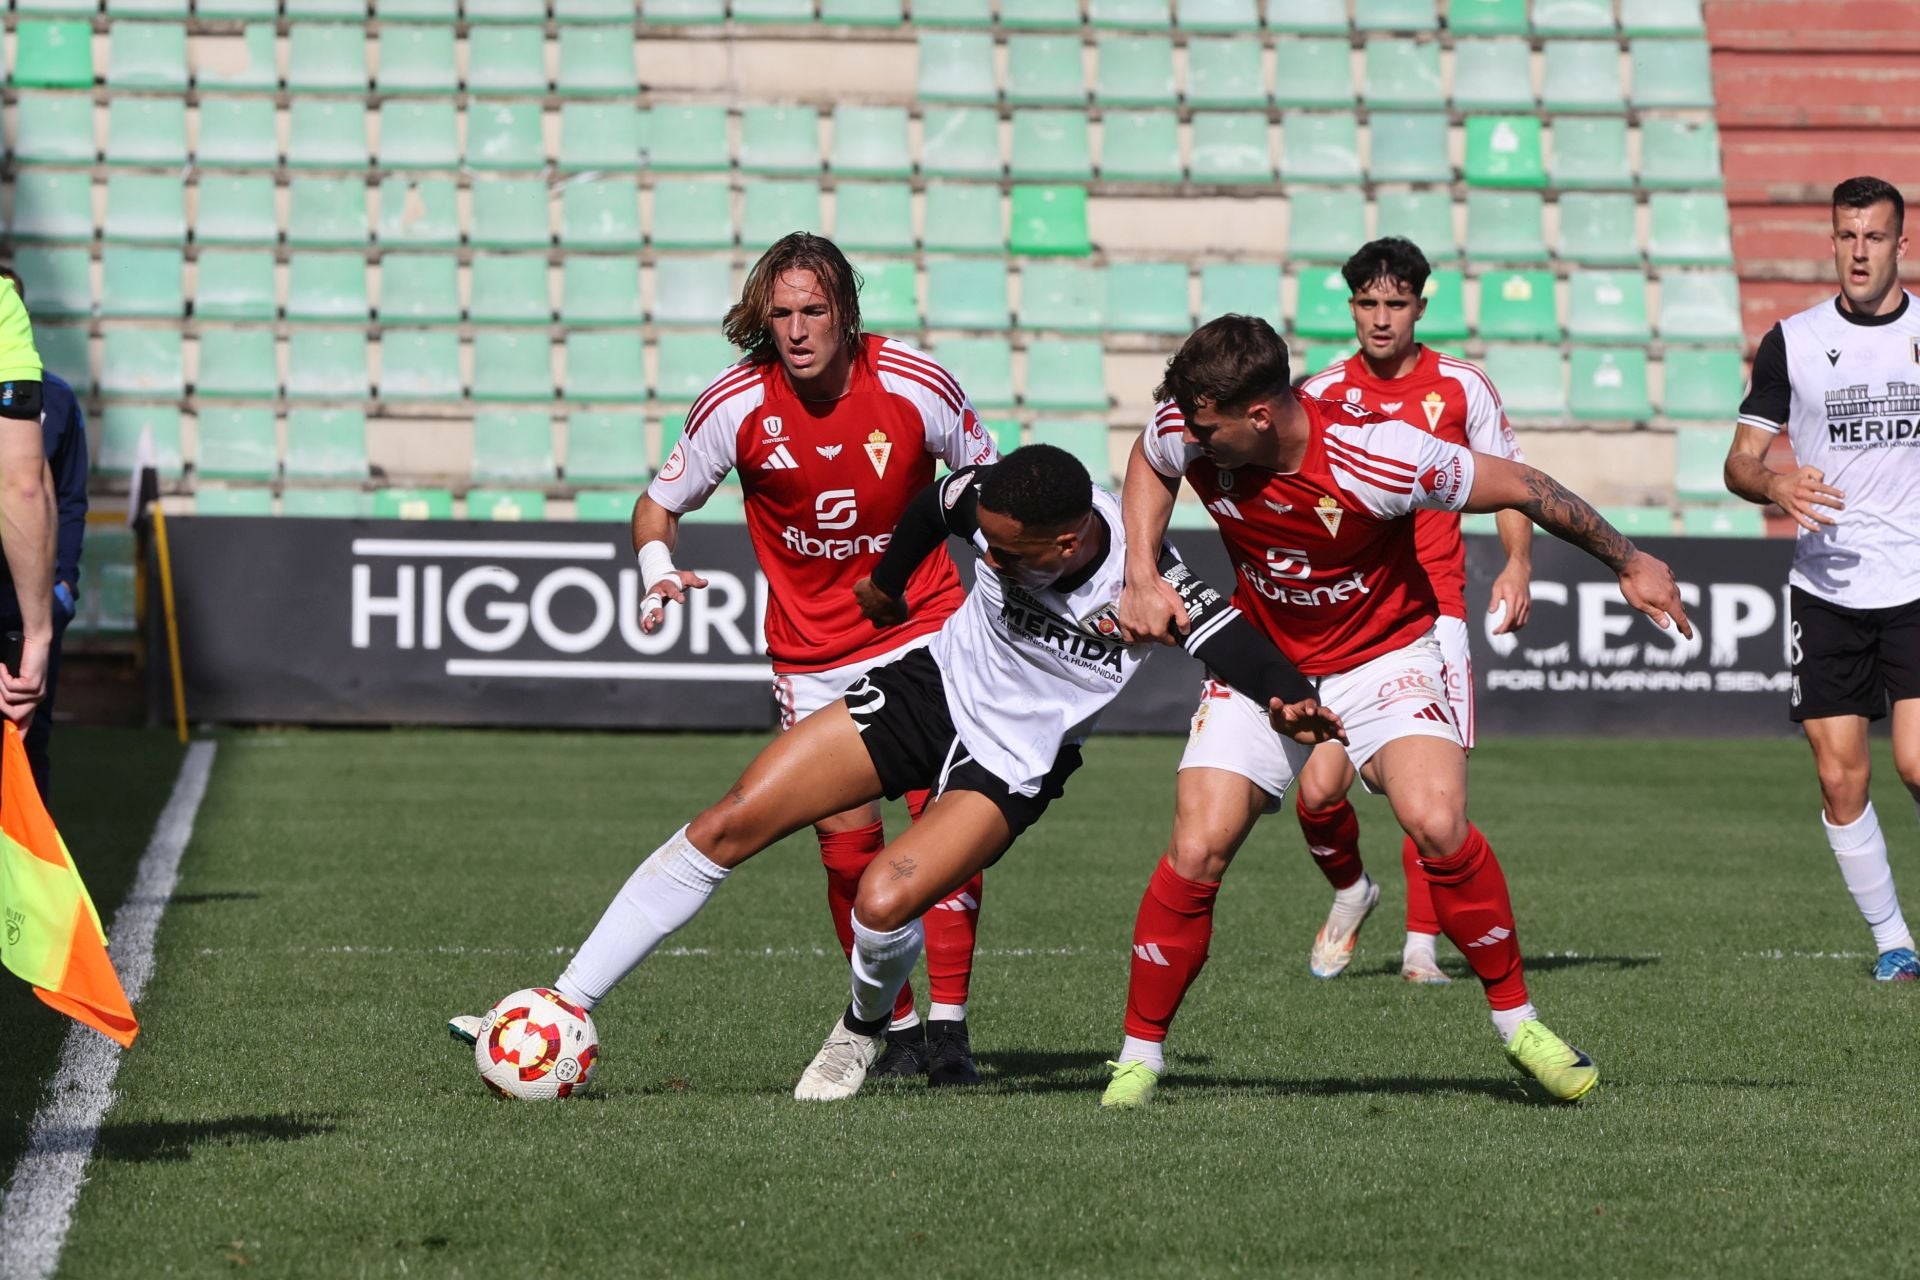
<point>172,622</point>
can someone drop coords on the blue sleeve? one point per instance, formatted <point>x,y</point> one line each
<point>66,440</point>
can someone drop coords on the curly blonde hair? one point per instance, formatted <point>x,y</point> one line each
<point>746,325</point>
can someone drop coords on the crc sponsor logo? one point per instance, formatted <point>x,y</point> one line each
<point>836,509</point>
<point>1414,686</point>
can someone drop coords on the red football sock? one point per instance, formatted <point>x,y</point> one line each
<point>950,930</point>
<point>1333,838</point>
<point>1421,917</point>
<point>846,855</point>
<point>917,803</point>
<point>1470,899</point>
<point>1170,940</point>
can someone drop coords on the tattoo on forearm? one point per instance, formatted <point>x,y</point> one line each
<point>1568,516</point>
<point>902,868</point>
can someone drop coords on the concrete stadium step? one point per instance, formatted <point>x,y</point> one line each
<point>1788,89</point>
<point>1768,165</point>
<point>1804,26</point>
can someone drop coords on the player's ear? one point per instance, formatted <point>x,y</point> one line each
<point>1420,308</point>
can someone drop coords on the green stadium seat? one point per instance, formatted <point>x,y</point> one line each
<point>1319,147</point>
<point>53,206</point>
<point>422,364</point>
<point>1591,151</point>
<point>1609,383</point>
<point>1140,146</point>
<point>682,11</point>
<point>607,447</point>
<point>237,444</point>
<point>1445,322</point>
<point>325,504</point>
<point>147,131</point>
<point>237,10</point>
<point>64,349</point>
<point>126,9</point>
<point>1005,433</point>
<point>517,364</point>
<point>780,140</point>
<point>692,213</point>
<point>326,134</point>
<point>1504,226</point>
<point>870,142</point>
<point>1679,153</point>
<point>1326,225</point>
<point>1661,18</point>
<point>1688,229</point>
<point>326,58</point>
<point>54,128</point>
<point>773,10</point>
<point>1225,75</point>
<point>1051,146</point>
<point>1518,306</point>
<point>507,62</point>
<point>1639,522</point>
<point>216,502</point>
<point>609,366</point>
<point>957,66</point>
<point>1702,383</point>
<point>147,209</point>
<point>1700,306</point>
<point>1532,380</point>
<point>234,284</point>
<point>1699,455</point>
<point>148,55</point>
<point>60,281</point>
<point>1671,73</point>
<point>237,133</point>
<point>420,213</point>
<point>326,444</point>
<point>256,69</point>
<point>1247,289</point>
<point>511,288</point>
<point>967,293</point>
<point>509,213</point>
<point>862,13</point>
<point>601,135</point>
<point>1408,148</point>
<point>1221,17</point>
<point>1040,14</point>
<point>1582,75</point>
<point>327,364</point>
<point>513,445</point>
<point>604,214</point>
<point>1607,306</point>
<point>953,13</point>
<point>121,427</point>
<point>1085,440</point>
<point>143,363</point>
<point>1394,15</point>
<point>506,504</point>
<point>605,506</point>
<point>889,296</point>
<point>770,210</point>
<point>1573,17</point>
<point>326,10</point>
<point>1487,17</point>
<point>52,55</point>
<point>689,361</point>
<point>1148,297</point>
<point>1232,147</point>
<point>1063,295</point>
<point>1313,73</point>
<point>1319,17</point>
<point>1597,229</point>
<point>417,59</point>
<point>1424,217</point>
<point>1049,220</point>
<point>1504,151</point>
<point>1135,71</point>
<point>873,216</point>
<point>960,142</point>
<point>1403,74</point>
<point>725,505</point>
<point>1066,375</point>
<point>139,283</point>
<point>505,135</point>
<point>983,367</point>
<point>403,11</point>
<point>412,504</point>
<point>419,134</point>
<point>964,219</point>
<point>1492,75</point>
<point>1129,15</point>
<point>1320,310</point>
<point>1723,522</point>
<point>693,291</point>
<point>598,61</point>
<point>321,213</point>
<point>596,291</point>
<point>420,288</point>
<point>689,139</point>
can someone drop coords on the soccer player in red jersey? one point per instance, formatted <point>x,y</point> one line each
<point>1395,375</point>
<point>833,432</point>
<point>1314,500</point>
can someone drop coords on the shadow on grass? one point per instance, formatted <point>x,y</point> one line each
<point>1051,1071</point>
<point>149,1141</point>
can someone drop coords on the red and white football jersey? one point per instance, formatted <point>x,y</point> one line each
<point>1324,557</point>
<point>825,483</point>
<point>1455,401</point>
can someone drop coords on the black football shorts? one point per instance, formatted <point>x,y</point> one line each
<point>1851,662</point>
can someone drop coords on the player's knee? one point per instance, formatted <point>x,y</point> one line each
<point>883,906</point>
<point>1439,829</point>
<point>1198,855</point>
<point>726,833</point>
<point>1907,764</point>
<point>1843,788</point>
<point>1319,791</point>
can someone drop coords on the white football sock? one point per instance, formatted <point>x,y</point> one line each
<point>881,963</point>
<point>907,1023</point>
<point>1861,851</point>
<point>663,893</point>
<point>1420,946</point>
<point>1507,1021</point>
<point>1150,1053</point>
<point>938,1012</point>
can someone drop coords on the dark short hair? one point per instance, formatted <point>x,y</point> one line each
<point>747,320</point>
<point>1039,484</point>
<point>1864,193</point>
<point>6,270</point>
<point>1230,363</point>
<point>1388,258</point>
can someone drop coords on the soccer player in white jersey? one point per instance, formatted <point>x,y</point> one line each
<point>989,717</point>
<point>1843,379</point>
<point>1395,375</point>
<point>1314,500</point>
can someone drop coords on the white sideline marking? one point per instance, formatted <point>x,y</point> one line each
<point>38,1208</point>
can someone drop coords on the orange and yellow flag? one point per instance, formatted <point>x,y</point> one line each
<point>49,932</point>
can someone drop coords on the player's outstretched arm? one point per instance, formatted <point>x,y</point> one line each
<point>1801,493</point>
<point>945,507</point>
<point>656,532</point>
<point>1500,484</point>
<point>1149,609</point>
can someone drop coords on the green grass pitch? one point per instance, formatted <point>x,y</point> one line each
<point>295,1108</point>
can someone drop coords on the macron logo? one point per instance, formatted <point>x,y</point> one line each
<point>1150,952</point>
<point>1491,936</point>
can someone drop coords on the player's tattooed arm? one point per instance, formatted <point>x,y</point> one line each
<point>1571,518</point>
<point>945,507</point>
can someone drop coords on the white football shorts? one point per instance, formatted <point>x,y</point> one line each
<point>801,693</point>
<point>1458,656</point>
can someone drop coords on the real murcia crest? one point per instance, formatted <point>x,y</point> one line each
<point>828,451</point>
<point>1433,405</point>
<point>1330,511</point>
<point>879,449</point>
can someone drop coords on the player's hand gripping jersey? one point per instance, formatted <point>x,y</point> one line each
<point>1325,557</point>
<point>1457,403</point>
<point>825,484</point>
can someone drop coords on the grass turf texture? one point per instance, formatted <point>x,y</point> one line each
<point>294,1105</point>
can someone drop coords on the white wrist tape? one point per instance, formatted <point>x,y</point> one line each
<point>656,562</point>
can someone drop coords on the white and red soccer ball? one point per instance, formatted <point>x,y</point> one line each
<point>536,1044</point>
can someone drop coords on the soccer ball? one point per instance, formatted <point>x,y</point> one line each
<point>536,1044</point>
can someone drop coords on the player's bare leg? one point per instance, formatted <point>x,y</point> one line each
<point>955,839</point>
<point>1332,830</point>
<point>1844,761</point>
<point>848,842</point>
